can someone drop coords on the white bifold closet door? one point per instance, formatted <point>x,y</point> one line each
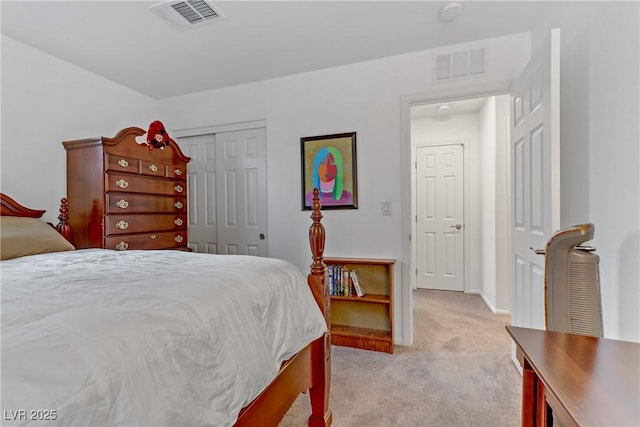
<point>227,194</point>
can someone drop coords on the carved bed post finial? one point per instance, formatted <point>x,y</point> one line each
<point>316,236</point>
<point>63,226</point>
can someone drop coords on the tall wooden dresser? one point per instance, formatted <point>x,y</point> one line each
<point>124,196</point>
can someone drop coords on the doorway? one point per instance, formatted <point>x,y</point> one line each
<point>477,193</point>
<point>483,130</point>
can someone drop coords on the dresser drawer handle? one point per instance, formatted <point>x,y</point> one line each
<point>177,172</point>
<point>153,236</point>
<point>122,183</point>
<point>178,239</point>
<point>122,246</point>
<point>122,224</point>
<point>153,168</point>
<point>178,188</point>
<point>123,163</point>
<point>122,204</point>
<point>178,205</point>
<point>178,222</point>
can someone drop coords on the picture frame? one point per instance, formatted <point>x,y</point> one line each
<point>329,164</point>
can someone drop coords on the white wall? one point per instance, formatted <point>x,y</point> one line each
<point>46,101</point>
<point>488,190</point>
<point>614,162</point>
<point>504,283</point>
<point>494,141</point>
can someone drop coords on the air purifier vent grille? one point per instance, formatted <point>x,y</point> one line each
<point>585,313</point>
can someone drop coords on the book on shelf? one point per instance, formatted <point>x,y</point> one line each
<point>359,290</point>
<point>331,281</point>
<point>346,288</point>
<point>335,282</point>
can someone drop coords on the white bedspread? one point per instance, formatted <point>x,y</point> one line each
<point>146,337</point>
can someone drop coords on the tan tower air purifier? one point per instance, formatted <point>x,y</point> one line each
<point>572,283</point>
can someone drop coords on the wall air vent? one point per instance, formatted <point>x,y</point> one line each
<point>460,65</point>
<point>184,15</point>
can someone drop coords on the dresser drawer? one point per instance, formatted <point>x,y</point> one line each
<point>164,240</point>
<point>121,163</point>
<point>153,168</point>
<point>126,224</point>
<point>177,171</point>
<point>141,184</point>
<point>123,203</point>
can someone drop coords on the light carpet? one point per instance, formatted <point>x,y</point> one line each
<point>458,372</point>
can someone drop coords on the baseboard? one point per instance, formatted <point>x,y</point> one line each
<point>489,304</point>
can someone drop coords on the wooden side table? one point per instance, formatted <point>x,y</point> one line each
<point>581,380</point>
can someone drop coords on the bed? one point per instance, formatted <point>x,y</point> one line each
<point>101,337</point>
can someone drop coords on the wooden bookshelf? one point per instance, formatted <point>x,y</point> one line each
<point>364,322</point>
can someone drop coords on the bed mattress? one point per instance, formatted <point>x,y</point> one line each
<point>97,337</point>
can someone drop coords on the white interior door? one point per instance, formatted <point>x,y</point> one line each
<point>535,177</point>
<point>227,192</point>
<point>201,195</point>
<point>440,217</point>
<point>242,192</point>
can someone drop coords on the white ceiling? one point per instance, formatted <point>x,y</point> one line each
<point>126,43</point>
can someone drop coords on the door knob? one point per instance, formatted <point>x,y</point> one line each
<point>261,236</point>
<point>457,226</point>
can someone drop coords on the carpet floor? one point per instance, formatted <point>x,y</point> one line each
<point>458,372</point>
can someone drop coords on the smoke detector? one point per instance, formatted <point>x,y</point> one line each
<point>184,15</point>
<point>450,10</point>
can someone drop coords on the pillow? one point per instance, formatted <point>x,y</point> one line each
<point>29,236</point>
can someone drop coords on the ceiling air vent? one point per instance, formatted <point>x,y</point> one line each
<point>184,15</point>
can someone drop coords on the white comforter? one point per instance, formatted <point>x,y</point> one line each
<point>146,337</point>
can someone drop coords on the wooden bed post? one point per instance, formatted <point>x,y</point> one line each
<point>321,348</point>
<point>63,226</point>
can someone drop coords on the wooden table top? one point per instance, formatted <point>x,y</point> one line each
<point>596,380</point>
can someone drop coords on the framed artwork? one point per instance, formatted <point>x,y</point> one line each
<point>329,164</point>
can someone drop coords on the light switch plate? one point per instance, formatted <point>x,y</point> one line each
<point>386,208</point>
